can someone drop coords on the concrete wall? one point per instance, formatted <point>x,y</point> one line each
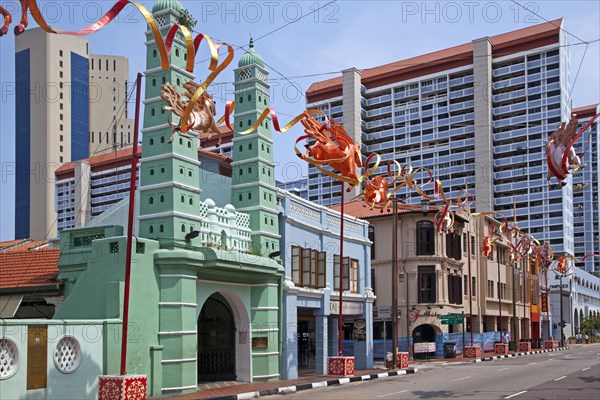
<point>93,337</point>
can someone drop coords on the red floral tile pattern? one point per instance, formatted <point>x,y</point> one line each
<point>501,348</point>
<point>472,352</point>
<point>524,346</point>
<point>340,366</point>
<point>128,387</point>
<point>402,360</point>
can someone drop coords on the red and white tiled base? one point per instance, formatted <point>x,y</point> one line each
<point>524,346</point>
<point>402,360</point>
<point>122,387</point>
<point>472,351</point>
<point>340,366</point>
<point>550,344</point>
<point>501,348</point>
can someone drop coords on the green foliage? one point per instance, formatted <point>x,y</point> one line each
<point>186,19</point>
<point>590,326</point>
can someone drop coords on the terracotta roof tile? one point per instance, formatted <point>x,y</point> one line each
<point>452,54</point>
<point>585,112</point>
<point>215,156</point>
<point>25,245</point>
<point>28,268</point>
<point>358,209</point>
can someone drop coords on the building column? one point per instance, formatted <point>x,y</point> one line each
<point>482,95</point>
<point>321,338</point>
<point>332,335</point>
<point>363,351</point>
<point>289,358</point>
<point>351,104</point>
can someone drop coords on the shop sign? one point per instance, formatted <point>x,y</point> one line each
<point>360,330</point>
<point>348,308</point>
<point>544,302</point>
<point>535,291</point>
<point>427,347</point>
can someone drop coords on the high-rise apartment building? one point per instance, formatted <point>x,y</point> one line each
<point>52,120</point>
<point>70,105</point>
<point>478,115</point>
<point>586,187</point>
<point>110,129</point>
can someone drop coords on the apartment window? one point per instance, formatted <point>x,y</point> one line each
<point>473,245</point>
<point>464,242</point>
<point>466,284</point>
<point>60,53</point>
<point>454,289</point>
<point>490,289</point>
<point>425,238</point>
<point>427,284</point>
<point>501,290</point>
<point>473,286</point>
<point>453,246</point>
<point>60,63</point>
<point>308,267</point>
<point>61,138</point>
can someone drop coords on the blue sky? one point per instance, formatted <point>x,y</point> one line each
<point>340,35</point>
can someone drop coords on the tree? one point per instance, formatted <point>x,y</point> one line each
<point>590,326</point>
<point>186,19</point>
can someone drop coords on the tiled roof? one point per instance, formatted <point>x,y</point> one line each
<point>22,245</point>
<point>505,43</point>
<point>586,111</point>
<point>215,156</point>
<point>28,268</point>
<point>359,209</point>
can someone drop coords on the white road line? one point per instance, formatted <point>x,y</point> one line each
<point>460,379</point>
<point>516,394</point>
<point>390,394</point>
<point>562,377</point>
<point>503,369</point>
<point>531,363</point>
<point>585,369</point>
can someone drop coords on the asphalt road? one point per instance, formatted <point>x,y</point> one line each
<point>572,374</point>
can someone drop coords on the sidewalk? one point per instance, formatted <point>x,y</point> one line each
<point>243,390</point>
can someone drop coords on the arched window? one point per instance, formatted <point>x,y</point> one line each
<point>191,201</point>
<point>249,98</point>
<point>161,228</point>
<point>152,112</point>
<point>164,80</point>
<point>154,53</point>
<point>176,52</point>
<point>151,141</point>
<point>240,197</point>
<point>154,82</point>
<point>150,229</point>
<point>150,200</point>
<point>425,238</point>
<point>162,139</point>
<point>182,228</point>
<point>162,198</point>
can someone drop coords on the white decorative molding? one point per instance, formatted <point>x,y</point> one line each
<point>264,308</point>
<point>253,160</point>
<point>239,284</point>
<point>9,358</point>
<point>178,276</point>
<point>169,214</point>
<point>170,184</point>
<point>176,304</point>
<point>172,155</point>
<point>265,330</point>
<point>178,361</point>
<point>304,211</point>
<point>272,353</point>
<point>67,355</point>
<point>177,333</point>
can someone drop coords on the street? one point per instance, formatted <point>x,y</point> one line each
<point>569,374</point>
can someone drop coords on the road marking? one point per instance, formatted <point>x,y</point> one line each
<point>460,379</point>
<point>562,377</point>
<point>585,369</point>
<point>532,363</point>
<point>390,394</point>
<point>516,394</point>
<point>503,369</point>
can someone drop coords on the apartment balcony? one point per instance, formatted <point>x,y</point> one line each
<point>509,121</point>
<point>378,123</point>
<point>461,81</point>
<point>379,111</point>
<point>508,70</point>
<point>462,106</point>
<point>508,83</point>
<point>379,99</point>
<point>511,108</point>
<point>406,93</point>
<point>461,93</point>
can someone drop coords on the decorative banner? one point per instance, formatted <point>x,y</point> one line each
<point>544,297</point>
<point>560,153</point>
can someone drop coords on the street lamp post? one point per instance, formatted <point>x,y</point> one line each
<point>562,335</point>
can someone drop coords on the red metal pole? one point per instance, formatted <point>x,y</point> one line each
<point>547,305</point>
<point>470,284</point>
<point>133,174</point>
<point>340,314</point>
<point>499,297</point>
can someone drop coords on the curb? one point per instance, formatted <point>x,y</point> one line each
<point>518,354</point>
<point>314,385</point>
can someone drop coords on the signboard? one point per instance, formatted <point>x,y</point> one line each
<point>535,290</point>
<point>37,356</point>
<point>384,312</point>
<point>360,330</point>
<point>349,308</point>
<point>452,319</point>
<point>426,347</point>
<point>544,297</point>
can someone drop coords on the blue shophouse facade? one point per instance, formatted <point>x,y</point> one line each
<point>310,248</point>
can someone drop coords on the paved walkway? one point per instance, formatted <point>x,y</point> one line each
<point>243,390</point>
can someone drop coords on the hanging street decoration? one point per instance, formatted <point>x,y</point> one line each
<point>560,152</point>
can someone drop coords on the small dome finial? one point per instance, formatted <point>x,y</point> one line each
<point>251,42</point>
